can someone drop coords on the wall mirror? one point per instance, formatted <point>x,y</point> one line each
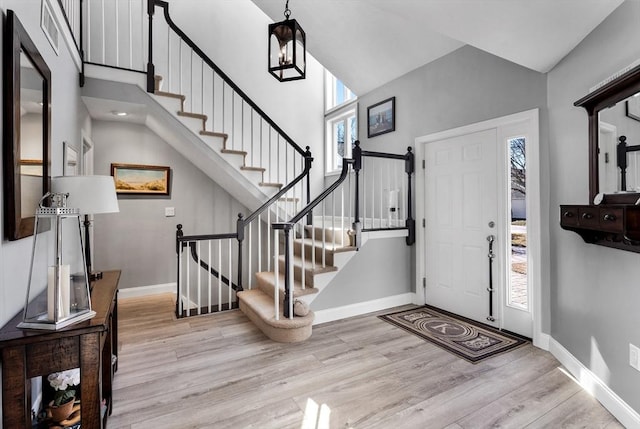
<point>26,136</point>
<point>614,111</point>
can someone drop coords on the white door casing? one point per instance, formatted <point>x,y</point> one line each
<point>526,123</point>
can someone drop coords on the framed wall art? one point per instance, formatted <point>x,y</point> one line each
<point>71,165</point>
<point>381,117</point>
<point>136,179</point>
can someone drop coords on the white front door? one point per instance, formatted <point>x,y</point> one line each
<point>462,211</point>
<point>466,189</point>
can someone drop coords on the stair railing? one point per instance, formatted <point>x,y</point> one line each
<point>383,195</point>
<point>320,237</point>
<point>385,198</point>
<point>125,35</point>
<point>230,260</point>
<point>188,71</point>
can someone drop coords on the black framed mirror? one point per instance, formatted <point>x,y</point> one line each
<point>27,134</point>
<point>614,111</point>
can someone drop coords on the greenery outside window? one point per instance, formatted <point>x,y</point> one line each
<point>341,123</point>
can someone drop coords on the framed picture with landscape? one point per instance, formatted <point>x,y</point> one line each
<point>135,179</point>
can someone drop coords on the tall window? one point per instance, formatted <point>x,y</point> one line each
<point>341,122</point>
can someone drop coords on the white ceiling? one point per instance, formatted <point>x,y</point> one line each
<point>367,43</point>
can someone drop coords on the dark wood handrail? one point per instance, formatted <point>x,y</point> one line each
<point>308,209</point>
<point>183,241</point>
<point>284,190</point>
<point>165,5</point>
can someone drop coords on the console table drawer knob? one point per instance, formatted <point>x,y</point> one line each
<point>568,214</point>
<point>587,216</point>
<point>609,217</point>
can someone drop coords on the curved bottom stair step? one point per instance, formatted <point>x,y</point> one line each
<point>259,309</point>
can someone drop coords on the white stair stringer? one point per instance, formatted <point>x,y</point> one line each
<point>203,151</point>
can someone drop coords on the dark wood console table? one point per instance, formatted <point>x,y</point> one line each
<point>87,345</point>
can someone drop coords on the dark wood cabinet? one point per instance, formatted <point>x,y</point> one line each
<point>612,225</point>
<point>88,345</point>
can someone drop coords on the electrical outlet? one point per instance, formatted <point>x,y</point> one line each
<point>634,356</point>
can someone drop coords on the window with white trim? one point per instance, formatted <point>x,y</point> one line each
<point>341,123</point>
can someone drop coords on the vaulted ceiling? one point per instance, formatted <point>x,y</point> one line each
<point>367,43</point>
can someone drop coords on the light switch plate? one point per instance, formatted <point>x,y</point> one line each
<point>169,211</point>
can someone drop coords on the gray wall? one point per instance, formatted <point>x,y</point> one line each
<point>464,87</point>
<point>140,240</point>
<point>371,274</point>
<point>594,290</point>
<point>68,116</point>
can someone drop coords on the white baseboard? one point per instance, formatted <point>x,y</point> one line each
<point>134,292</point>
<point>596,387</point>
<point>337,313</point>
<point>542,341</point>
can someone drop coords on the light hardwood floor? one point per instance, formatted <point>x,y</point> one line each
<point>219,371</point>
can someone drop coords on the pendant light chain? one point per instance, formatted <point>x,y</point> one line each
<point>287,11</point>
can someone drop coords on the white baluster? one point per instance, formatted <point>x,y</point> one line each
<point>199,270</point>
<point>219,275</point>
<point>209,275</point>
<point>230,275</point>
<point>276,295</point>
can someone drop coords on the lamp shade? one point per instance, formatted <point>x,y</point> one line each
<point>90,194</point>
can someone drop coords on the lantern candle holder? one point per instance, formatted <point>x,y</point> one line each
<point>58,289</point>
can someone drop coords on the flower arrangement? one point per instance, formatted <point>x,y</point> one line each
<point>63,383</point>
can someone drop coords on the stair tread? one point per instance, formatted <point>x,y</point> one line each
<point>192,115</point>
<point>337,248</point>
<point>262,305</point>
<point>214,134</point>
<point>170,94</point>
<point>269,277</point>
<point>308,266</point>
<point>234,152</point>
<point>273,185</point>
<point>250,168</point>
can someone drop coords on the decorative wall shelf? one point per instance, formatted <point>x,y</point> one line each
<point>614,225</point>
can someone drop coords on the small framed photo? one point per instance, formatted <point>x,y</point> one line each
<point>49,25</point>
<point>136,179</point>
<point>71,166</point>
<point>381,117</point>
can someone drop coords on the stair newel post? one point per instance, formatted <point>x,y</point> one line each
<point>409,168</point>
<point>357,166</point>
<point>179,247</point>
<point>240,224</point>
<point>151,71</point>
<point>308,160</point>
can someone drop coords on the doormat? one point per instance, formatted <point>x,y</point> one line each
<point>463,337</point>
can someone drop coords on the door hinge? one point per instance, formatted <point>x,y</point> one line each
<point>424,282</point>
<point>423,164</point>
<point>424,223</point>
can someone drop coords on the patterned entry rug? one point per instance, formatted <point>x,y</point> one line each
<point>463,337</point>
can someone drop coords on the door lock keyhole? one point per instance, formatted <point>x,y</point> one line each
<point>492,224</point>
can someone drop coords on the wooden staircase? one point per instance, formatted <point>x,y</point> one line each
<point>258,303</point>
<point>203,132</point>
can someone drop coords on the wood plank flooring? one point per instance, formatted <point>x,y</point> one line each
<point>219,371</point>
